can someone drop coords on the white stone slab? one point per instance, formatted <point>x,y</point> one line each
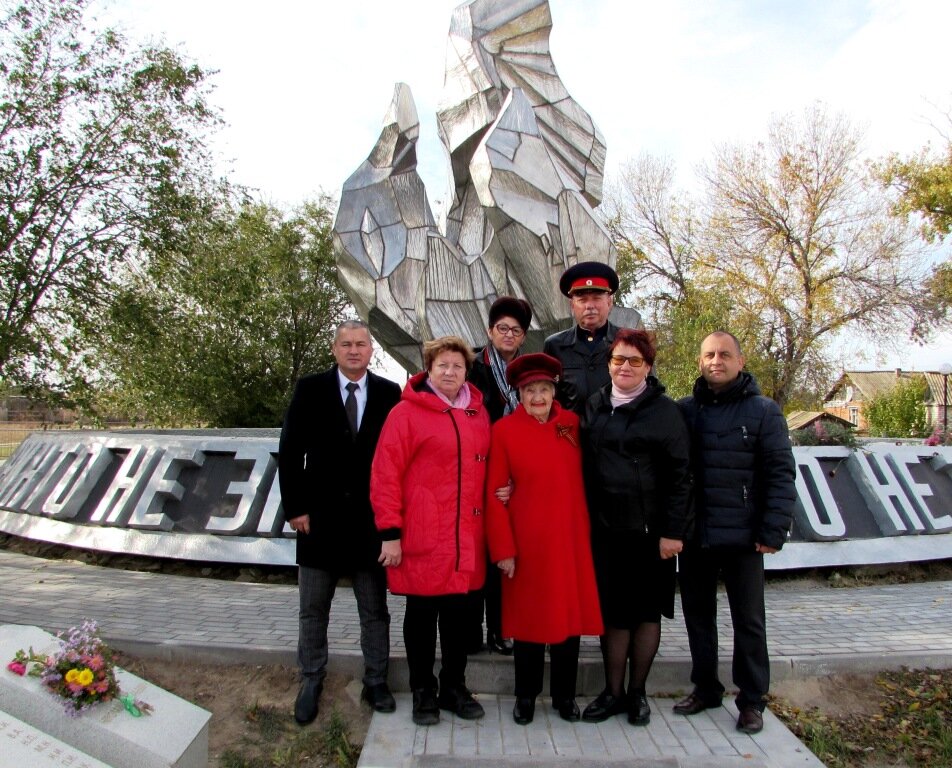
<point>175,735</point>
<point>23,746</point>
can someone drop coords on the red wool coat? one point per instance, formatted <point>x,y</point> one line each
<point>427,481</point>
<point>545,526</point>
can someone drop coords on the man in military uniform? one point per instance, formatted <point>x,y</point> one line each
<point>583,348</point>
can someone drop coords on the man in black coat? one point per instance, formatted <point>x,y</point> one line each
<point>744,475</point>
<point>583,348</point>
<point>327,445</point>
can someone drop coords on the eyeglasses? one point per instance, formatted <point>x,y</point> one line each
<point>634,361</point>
<point>504,329</point>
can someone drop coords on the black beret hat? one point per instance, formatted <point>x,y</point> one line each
<point>509,306</point>
<point>535,367</point>
<point>588,276</point>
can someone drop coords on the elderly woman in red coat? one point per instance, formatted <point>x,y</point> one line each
<point>426,489</point>
<point>540,538</point>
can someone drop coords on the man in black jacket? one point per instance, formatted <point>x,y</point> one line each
<point>744,490</point>
<point>583,348</point>
<point>327,445</point>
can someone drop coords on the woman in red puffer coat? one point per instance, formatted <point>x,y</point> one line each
<point>426,489</point>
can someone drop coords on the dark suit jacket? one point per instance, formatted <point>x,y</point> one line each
<point>325,474</point>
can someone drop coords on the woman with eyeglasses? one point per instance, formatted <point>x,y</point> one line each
<point>636,452</point>
<point>509,320</point>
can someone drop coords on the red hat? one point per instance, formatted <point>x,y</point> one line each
<point>535,367</point>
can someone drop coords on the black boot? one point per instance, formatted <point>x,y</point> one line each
<point>524,711</point>
<point>425,709</point>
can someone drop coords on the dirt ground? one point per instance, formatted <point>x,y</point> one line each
<point>234,694</point>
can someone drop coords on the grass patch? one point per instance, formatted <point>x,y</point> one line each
<point>277,743</point>
<point>913,726</point>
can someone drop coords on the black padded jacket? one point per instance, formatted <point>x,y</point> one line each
<point>744,471</point>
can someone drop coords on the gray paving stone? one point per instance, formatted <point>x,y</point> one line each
<point>811,631</point>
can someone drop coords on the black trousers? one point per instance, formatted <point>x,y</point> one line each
<point>743,573</point>
<point>316,591</point>
<point>491,595</point>
<point>420,621</point>
<point>529,662</point>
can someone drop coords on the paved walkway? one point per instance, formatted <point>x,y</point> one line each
<point>813,630</point>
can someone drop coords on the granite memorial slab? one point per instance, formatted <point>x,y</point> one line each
<point>175,735</point>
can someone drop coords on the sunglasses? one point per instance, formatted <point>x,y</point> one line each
<point>634,361</point>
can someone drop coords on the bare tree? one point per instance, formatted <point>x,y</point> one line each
<point>802,234</point>
<point>794,244</point>
<point>655,229</point>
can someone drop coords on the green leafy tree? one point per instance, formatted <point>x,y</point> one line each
<point>217,330</point>
<point>901,412</point>
<point>924,186</point>
<point>793,243</point>
<point>94,133</point>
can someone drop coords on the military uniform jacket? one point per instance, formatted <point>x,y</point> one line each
<point>584,366</point>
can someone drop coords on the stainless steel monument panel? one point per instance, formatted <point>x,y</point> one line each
<point>527,164</point>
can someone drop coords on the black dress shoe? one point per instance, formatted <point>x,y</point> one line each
<point>461,703</point>
<point>567,709</point>
<point>605,706</point>
<point>750,720</point>
<point>425,709</point>
<point>379,697</point>
<point>694,703</point>
<point>305,708</point>
<point>500,645</point>
<point>524,711</point>
<point>639,713</point>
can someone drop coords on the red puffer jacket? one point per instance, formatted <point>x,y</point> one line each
<point>427,482</point>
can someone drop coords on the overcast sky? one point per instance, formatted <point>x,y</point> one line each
<point>304,86</point>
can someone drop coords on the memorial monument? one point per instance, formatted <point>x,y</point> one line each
<point>527,164</point>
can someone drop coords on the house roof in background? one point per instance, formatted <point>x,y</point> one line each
<point>873,383</point>
<point>801,419</point>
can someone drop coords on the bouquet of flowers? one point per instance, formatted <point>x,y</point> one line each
<point>82,672</point>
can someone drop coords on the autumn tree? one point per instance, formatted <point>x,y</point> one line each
<point>217,329</point>
<point>94,132</point>
<point>792,231</point>
<point>924,186</point>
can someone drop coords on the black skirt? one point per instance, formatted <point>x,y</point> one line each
<point>634,584</point>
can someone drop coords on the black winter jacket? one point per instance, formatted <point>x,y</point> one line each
<point>636,460</point>
<point>744,472</point>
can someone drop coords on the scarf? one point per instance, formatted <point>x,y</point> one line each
<point>498,366</point>
<point>623,398</point>
<point>462,400</point>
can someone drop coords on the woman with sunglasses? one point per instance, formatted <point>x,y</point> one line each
<point>636,453</point>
